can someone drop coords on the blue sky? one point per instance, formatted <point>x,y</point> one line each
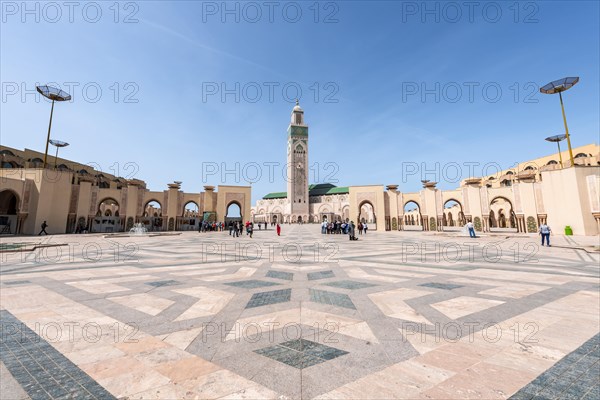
<point>362,68</point>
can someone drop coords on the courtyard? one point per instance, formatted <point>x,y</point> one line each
<point>304,315</point>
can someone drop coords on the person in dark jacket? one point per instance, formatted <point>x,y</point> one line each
<point>44,226</point>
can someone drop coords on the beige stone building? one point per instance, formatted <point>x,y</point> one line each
<point>547,189</point>
<point>74,196</point>
<point>71,196</point>
<point>307,203</point>
<point>516,200</point>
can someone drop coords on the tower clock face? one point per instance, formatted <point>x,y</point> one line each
<point>299,165</point>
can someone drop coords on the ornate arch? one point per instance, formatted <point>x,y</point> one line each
<point>184,206</point>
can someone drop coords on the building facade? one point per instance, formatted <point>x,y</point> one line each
<point>547,189</point>
<point>302,202</point>
<point>72,197</point>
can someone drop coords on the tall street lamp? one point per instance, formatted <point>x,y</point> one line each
<point>560,86</point>
<point>58,145</point>
<point>53,94</point>
<point>557,139</point>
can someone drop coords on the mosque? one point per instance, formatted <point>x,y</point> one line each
<point>308,202</point>
<point>514,200</point>
<point>72,197</point>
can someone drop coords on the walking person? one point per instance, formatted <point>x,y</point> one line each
<point>278,229</point>
<point>471,229</point>
<point>545,232</point>
<point>365,227</point>
<point>251,229</point>
<point>44,226</point>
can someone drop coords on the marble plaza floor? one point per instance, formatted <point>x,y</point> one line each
<point>394,315</point>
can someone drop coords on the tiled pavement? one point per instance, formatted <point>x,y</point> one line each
<point>252,284</point>
<point>445,286</point>
<point>288,276</point>
<point>301,353</point>
<point>336,299</point>
<point>43,372</point>
<point>266,298</point>
<point>576,376</point>
<point>376,318</point>
<point>313,276</point>
<point>352,285</point>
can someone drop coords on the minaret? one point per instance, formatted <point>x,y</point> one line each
<point>297,168</point>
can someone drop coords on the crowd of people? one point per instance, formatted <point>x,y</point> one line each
<point>339,227</point>
<point>206,226</point>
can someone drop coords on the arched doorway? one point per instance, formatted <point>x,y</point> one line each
<point>9,203</point>
<point>107,217</point>
<point>453,218</point>
<point>345,213</point>
<point>299,220</point>
<point>501,219</point>
<point>492,220</point>
<point>190,220</point>
<point>152,218</point>
<point>366,214</point>
<point>412,216</point>
<point>326,214</point>
<point>502,216</point>
<point>36,163</point>
<point>233,213</point>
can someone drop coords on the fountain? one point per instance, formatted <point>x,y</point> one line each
<point>138,229</point>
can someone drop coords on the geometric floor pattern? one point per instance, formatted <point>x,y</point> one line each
<point>576,376</point>
<point>288,276</point>
<point>252,284</point>
<point>42,371</point>
<point>313,276</point>
<point>335,299</point>
<point>266,298</point>
<point>388,316</point>
<point>445,286</point>
<point>301,353</point>
<point>352,285</point>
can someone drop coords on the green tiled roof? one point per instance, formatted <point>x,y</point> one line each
<point>276,195</point>
<point>313,190</point>
<point>338,190</point>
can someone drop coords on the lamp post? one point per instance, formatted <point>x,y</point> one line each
<point>53,94</point>
<point>58,144</point>
<point>557,139</point>
<point>560,86</point>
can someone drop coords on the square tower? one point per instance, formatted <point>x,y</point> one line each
<point>297,166</point>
